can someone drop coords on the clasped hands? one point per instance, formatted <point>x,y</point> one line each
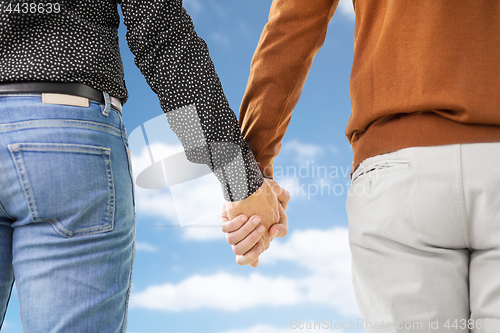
<point>251,224</point>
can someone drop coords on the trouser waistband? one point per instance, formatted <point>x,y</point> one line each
<point>64,88</point>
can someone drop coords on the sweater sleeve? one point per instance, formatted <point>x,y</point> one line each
<point>176,64</point>
<point>295,32</point>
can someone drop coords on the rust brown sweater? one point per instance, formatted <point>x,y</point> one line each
<point>424,73</point>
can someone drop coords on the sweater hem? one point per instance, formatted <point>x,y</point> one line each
<point>419,129</point>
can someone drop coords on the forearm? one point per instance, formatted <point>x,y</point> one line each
<point>177,66</point>
<point>289,42</point>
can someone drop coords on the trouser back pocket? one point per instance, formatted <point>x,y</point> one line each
<point>69,185</point>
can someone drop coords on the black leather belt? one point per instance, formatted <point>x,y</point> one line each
<point>66,88</point>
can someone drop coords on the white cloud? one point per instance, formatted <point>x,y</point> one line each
<point>320,251</point>
<point>346,8</point>
<point>160,204</point>
<point>274,329</point>
<point>155,203</point>
<point>302,189</point>
<point>308,177</point>
<point>146,247</point>
<point>293,186</point>
<point>304,152</point>
<point>203,232</point>
<point>159,150</point>
<point>324,254</point>
<point>221,291</point>
<point>196,202</point>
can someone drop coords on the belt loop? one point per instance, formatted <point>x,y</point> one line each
<point>107,104</point>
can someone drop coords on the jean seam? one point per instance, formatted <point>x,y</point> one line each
<point>111,189</point>
<point>125,317</point>
<point>25,185</point>
<point>128,153</point>
<point>59,147</point>
<point>56,225</point>
<point>22,95</point>
<point>60,123</point>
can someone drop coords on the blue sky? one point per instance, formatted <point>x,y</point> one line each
<point>185,278</point>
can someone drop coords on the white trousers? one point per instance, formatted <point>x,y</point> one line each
<point>424,233</point>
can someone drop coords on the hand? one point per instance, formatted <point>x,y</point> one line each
<point>264,203</point>
<point>244,235</point>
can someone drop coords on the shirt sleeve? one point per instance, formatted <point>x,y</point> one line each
<point>176,64</point>
<point>295,32</point>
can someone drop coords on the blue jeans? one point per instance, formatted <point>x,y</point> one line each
<point>67,215</point>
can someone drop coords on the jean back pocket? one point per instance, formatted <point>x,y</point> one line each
<point>69,185</point>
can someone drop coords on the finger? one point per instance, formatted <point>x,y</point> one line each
<point>256,263</point>
<point>281,194</point>
<point>246,244</point>
<point>223,215</point>
<point>234,224</point>
<point>275,204</point>
<point>237,236</point>
<point>278,230</point>
<point>283,197</point>
<point>281,227</point>
<point>251,256</point>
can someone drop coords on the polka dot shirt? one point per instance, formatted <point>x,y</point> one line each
<point>77,41</point>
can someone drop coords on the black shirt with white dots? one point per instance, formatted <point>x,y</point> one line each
<point>77,41</point>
